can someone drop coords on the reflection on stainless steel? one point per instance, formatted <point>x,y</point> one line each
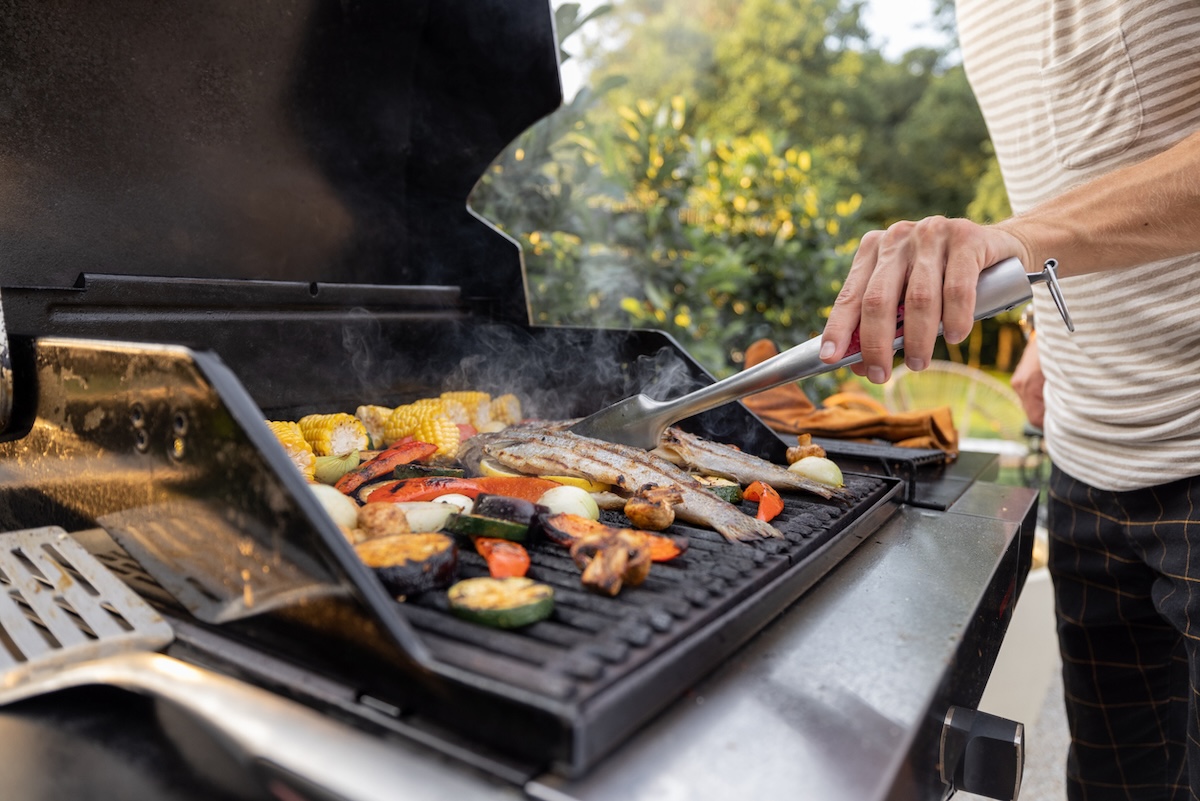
<point>219,565</point>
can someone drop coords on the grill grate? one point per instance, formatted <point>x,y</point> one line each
<point>592,641</point>
<point>609,664</point>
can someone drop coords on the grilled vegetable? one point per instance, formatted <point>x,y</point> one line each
<point>295,445</point>
<point>425,516</point>
<point>504,558</point>
<point>505,603</point>
<point>723,488</point>
<point>611,559</point>
<point>429,420</point>
<point>477,404</point>
<point>411,563</point>
<point>518,510</point>
<point>341,509</point>
<point>474,525</point>
<point>456,501</point>
<point>426,471</point>
<point>385,463</point>
<point>804,447</point>
<point>507,409</point>
<point>330,469</point>
<point>664,548</point>
<point>334,434</point>
<point>426,489</point>
<point>653,507</point>
<point>374,418</point>
<point>382,520</point>
<point>769,502</point>
<point>567,529</point>
<point>570,500</point>
<point>819,469</point>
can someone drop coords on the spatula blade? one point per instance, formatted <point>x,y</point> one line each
<point>59,606</point>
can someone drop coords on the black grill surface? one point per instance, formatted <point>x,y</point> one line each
<point>615,661</point>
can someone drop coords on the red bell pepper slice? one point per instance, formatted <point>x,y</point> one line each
<point>504,558</point>
<point>527,488</point>
<point>383,464</point>
<point>769,502</point>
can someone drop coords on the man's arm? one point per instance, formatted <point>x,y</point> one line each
<point>1137,214</point>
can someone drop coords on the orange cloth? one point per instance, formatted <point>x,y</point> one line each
<point>787,410</point>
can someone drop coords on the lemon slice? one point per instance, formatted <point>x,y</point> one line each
<point>492,468</point>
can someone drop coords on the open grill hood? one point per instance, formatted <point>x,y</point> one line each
<point>220,213</point>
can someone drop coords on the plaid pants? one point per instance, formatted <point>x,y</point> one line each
<point>1126,572</point>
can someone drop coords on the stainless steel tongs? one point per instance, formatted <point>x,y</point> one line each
<point>640,421</point>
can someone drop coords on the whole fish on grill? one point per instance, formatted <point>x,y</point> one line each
<point>548,451</point>
<point>713,458</point>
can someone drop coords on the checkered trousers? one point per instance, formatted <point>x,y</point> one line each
<point>1126,571</point>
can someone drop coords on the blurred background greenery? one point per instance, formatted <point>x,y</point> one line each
<point>715,172</point>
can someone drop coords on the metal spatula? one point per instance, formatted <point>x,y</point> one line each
<point>639,421</point>
<point>67,621</point>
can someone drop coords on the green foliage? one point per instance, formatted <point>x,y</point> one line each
<point>714,178</point>
<point>718,242</point>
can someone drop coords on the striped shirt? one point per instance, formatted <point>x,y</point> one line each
<point>1070,90</point>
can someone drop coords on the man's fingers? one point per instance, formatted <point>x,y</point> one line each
<point>923,296</point>
<point>881,300</point>
<point>847,308</point>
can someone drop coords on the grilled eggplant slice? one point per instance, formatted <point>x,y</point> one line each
<point>411,563</point>
<point>504,603</point>
<point>503,507</point>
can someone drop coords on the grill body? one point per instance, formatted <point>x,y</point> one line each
<point>224,212</point>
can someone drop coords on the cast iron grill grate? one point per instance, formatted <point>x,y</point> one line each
<point>592,641</point>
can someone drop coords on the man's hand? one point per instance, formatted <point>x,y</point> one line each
<point>1028,381</point>
<point>931,267</point>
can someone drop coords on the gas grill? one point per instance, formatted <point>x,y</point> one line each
<point>226,214</point>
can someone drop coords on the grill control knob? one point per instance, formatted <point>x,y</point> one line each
<point>982,754</point>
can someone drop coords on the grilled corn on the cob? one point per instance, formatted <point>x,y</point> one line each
<point>295,445</point>
<point>374,419</point>
<point>334,434</point>
<point>478,406</point>
<point>427,421</point>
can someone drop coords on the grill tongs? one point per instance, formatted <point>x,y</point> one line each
<point>639,421</point>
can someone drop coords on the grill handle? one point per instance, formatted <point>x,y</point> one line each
<point>982,754</point>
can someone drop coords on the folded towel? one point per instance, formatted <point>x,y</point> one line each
<point>788,410</point>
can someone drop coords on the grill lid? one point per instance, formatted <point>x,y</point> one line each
<point>306,140</point>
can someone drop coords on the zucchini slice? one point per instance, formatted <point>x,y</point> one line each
<point>411,563</point>
<point>723,488</point>
<point>415,470</point>
<point>504,603</point>
<point>473,525</point>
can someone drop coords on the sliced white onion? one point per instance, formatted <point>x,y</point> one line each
<point>464,503</point>
<point>819,469</point>
<point>427,516</point>
<point>570,500</point>
<point>342,509</point>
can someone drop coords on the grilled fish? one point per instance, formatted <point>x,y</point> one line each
<point>712,458</point>
<point>546,451</point>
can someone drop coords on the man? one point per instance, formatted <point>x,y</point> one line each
<point>1094,111</point>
